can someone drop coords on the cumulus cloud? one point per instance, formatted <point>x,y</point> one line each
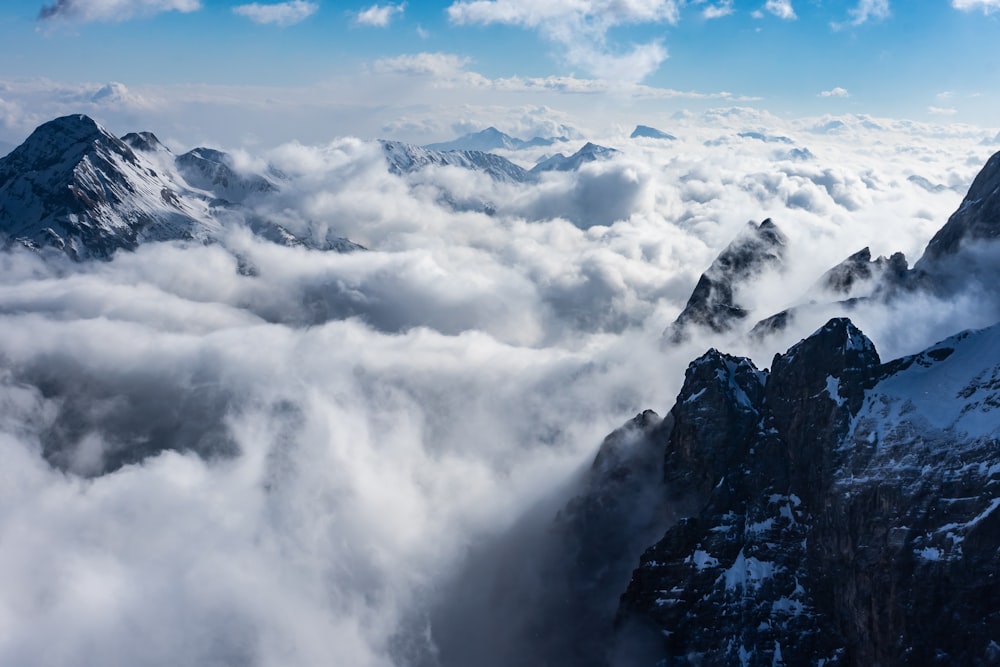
<point>281,14</point>
<point>379,16</point>
<point>986,6</point>
<point>781,8</point>
<point>581,30</point>
<point>835,92</point>
<point>111,11</point>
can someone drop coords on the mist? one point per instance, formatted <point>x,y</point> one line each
<point>362,458</point>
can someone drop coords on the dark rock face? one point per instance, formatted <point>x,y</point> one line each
<point>978,218</point>
<point>144,141</point>
<point>75,187</point>
<point>861,276</point>
<point>850,515</point>
<point>213,171</point>
<point>713,302</point>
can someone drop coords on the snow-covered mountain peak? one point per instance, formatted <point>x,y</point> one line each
<point>63,141</point>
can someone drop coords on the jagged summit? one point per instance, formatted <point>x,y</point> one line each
<point>75,187</point>
<point>62,140</point>
<point>713,302</point>
<point>978,218</point>
<point>847,514</point>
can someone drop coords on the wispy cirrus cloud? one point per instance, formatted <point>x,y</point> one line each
<point>581,30</point>
<point>111,11</point>
<point>379,16</point>
<point>281,14</point>
<point>986,6</point>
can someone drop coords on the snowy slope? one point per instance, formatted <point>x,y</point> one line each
<point>75,186</point>
<point>407,158</point>
<point>848,511</point>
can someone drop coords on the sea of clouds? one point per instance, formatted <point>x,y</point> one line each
<point>327,439</point>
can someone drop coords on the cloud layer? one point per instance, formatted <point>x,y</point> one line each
<point>329,438</point>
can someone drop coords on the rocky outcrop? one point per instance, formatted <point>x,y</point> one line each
<point>977,219</point>
<point>713,303</point>
<point>850,514</point>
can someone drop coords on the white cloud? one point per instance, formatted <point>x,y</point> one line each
<point>866,10</point>
<point>581,29</point>
<point>835,92</point>
<point>942,111</point>
<point>439,65</point>
<point>987,6</point>
<point>719,10</point>
<point>393,410</point>
<point>379,16</point>
<point>781,8</point>
<point>281,14</point>
<point>111,11</point>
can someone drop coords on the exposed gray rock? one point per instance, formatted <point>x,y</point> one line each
<point>713,302</point>
<point>856,519</point>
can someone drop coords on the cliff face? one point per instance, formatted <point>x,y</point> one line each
<point>849,512</point>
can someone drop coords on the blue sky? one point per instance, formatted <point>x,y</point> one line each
<point>928,61</point>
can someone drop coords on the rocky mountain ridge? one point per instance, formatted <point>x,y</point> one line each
<point>960,254</point>
<point>848,509</point>
<point>74,187</point>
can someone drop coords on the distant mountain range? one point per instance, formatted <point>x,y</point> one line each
<point>492,139</point>
<point>407,158</point>
<point>75,187</point>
